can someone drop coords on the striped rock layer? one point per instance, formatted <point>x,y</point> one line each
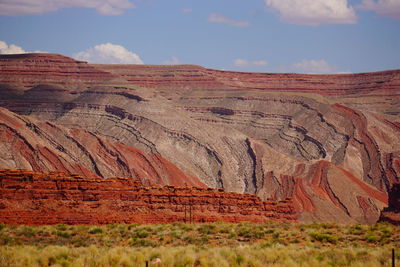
<point>331,143</point>
<point>28,197</point>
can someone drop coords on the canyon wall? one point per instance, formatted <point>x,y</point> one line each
<point>28,197</point>
<point>331,143</point>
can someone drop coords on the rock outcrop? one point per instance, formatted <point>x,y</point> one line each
<point>329,142</point>
<point>392,212</point>
<point>44,146</point>
<point>28,197</point>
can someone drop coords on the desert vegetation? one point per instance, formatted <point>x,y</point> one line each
<point>216,244</point>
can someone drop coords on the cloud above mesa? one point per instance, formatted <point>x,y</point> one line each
<point>10,48</point>
<point>173,61</point>
<point>108,53</point>
<point>313,12</point>
<point>218,18</point>
<point>310,66</point>
<point>244,63</point>
<point>37,7</point>
<point>314,66</point>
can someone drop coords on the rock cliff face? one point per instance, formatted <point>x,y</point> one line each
<point>28,197</point>
<point>329,142</point>
<point>392,212</point>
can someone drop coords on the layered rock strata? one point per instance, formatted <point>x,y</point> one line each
<point>329,142</point>
<point>28,70</point>
<point>28,197</point>
<point>45,146</point>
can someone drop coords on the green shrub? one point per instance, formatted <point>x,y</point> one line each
<point>204,239</point>
<point>61,227</point>
<point>224,230</point>
<point>239,259</point>
<point>142,243</point>
<point>356,230</point>
<point>323,237</point>
<point>189,239</point>
<point>371,238</point>
<point>6,240</point>
<point>232,235</point>
<point>141,234</point>
<point>79,242</point>
<point>96,230</point>
<point>276,235</point>
<point>63,234</point>
<point>269,231</point>
<point>206,229</point>
<point>294,241</point>
<point>26,231</point>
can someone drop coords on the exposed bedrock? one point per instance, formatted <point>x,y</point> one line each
<point>28,197</point>
<point>43,146</point>
<point>330,142</point>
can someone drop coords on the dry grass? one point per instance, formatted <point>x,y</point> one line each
<point>247,255</point>
<point>217,244</point>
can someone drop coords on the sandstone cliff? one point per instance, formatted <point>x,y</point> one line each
<point>28,197</point>
<point>329,142</point>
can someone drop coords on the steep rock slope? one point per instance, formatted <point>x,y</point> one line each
<point>28,197</point>
<point>330,142</point>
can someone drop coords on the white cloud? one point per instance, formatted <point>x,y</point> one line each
<point>218,18</point>
<point>388,8</point>
<point>10,48</point>
<point>313,66</point>
<point>108,54</point>
<point>187,10</point>
<point>244,63</point>
<point>29,7</point>
<point>173,61</point>
<point>314,12</point>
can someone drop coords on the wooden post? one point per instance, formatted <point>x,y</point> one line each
<point>147,263</point>
<point>184,207</point>
<point>190,211</point>
<point>393,258</point>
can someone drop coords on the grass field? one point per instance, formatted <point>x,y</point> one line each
<point>217,244</point>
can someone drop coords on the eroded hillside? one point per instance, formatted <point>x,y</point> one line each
<point>329,142</point>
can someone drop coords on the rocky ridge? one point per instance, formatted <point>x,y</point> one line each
<point>329,142</point>
<point>28,197</point>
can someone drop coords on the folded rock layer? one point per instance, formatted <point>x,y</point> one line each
<point>331,143</point>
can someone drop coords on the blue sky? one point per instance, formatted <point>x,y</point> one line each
<point>312,36</point>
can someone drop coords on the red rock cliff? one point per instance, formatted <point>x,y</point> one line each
<point>28,197</point>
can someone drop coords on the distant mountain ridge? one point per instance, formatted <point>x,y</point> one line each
<point>329,142</point>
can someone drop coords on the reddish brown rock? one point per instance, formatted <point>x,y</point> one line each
<point>329,142</point>
<point>28,70</point>
<point>392,212</point>
<point>191,76</point>
<point>28,197</point>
